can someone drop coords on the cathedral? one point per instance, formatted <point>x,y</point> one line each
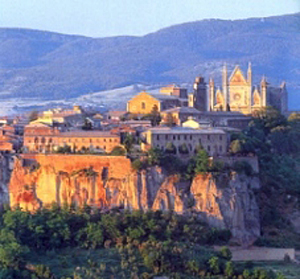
<point>239,94</point>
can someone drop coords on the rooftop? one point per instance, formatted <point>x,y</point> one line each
<point>185,130</point>
<point>183,110</point>
<point>81,133</point>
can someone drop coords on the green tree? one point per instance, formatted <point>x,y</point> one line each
<point>11,252</point>
<point>229,269</point>
<point>201,162</point>
<point>154,116</point>
<point>169,120</point>
<point>154,156</point>
<point>91,236</point>
<point>214,265</point>
<point>183,149</point>
<point>118,151</point>
<point>170,148</point>
<point>128,142</point>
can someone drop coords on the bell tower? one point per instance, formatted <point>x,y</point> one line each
<point>263,90</point>
<point>200,94</point>
<point>211,94</point>
<point>225,84</point>
<point>249,81</point>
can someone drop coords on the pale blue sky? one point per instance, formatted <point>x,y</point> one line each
<point>99,18</point>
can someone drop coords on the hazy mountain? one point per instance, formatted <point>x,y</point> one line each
<point>50,65</point>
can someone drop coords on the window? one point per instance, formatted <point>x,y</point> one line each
<point>200,141</point>
<point>208,137</point>
<point>157,137</point>
<point>174,137</point>
<point>109,140</point>
<point>191,137</point>
<point>178,137</point>
<point>220,137</point>
<point>91,140</point>
<point>185,137</point>
<point>167,137</point>
<point>143,105</point>
<point>208,148</point>
<point>104,140</point>
<point>220,148</point>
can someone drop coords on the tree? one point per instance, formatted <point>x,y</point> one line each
<point>201,161</point>
<point>170,148</point>
<point>34,115</point>
<point>128,142</point>
<point>118,151</point>
<point>155,116</point>
<point>11,252</point>
<point>236,147</point>
<point>214,265</point>
<point>183,149</point>
<point>229,269</point>
<point>64,149</point>
<point>170,121</point>
<point>154,156</point>
<point>87,125</point>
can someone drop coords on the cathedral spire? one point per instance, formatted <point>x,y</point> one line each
<point>249,73</point>
<point>225,83</point>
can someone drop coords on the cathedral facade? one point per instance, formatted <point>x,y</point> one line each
<point>238,93</point>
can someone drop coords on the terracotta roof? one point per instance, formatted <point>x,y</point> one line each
<point>183,110</point>
<point>79,133</point>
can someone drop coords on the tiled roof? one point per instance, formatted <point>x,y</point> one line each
<point>184,130</point>
<point>183,110</point>
<point>82,134</point>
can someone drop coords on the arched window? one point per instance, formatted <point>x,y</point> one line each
<point>143,105</point>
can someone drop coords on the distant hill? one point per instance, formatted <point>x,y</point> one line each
<point>50,65</point>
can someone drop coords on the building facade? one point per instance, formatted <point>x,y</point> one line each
<point>238,93</point>
<point>179,114</point>
<point>173,90</point>
<point>214,141</point>
<point>144,103</point>
<point>76,140</point>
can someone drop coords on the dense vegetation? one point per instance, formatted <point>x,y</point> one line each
<point>139,245</point>
<point>276,141</point>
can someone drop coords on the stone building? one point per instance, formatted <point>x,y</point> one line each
<point>144,102</point>
<point>76,140</point>
<point>213,140</point>
<point>179,114</point>
<point>173,90</point>
<point>198,98</point>
<point>238,93</point>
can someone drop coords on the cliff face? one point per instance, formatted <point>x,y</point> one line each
<point>226,201</point>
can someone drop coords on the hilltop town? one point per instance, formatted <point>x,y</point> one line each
<point>172,119</point>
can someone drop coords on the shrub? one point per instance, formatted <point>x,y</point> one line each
<point>118,151</point>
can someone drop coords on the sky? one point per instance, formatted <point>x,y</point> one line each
<point>102,18</point>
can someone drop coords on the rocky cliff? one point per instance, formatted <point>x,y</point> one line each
<point>224,201</point>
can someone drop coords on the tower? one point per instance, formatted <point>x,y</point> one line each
<point>211,94</point>
<point>249,81</point>
<point>225,85</point>
<point>191,100</point>
<point>263,90</point>
<point>200,94</point>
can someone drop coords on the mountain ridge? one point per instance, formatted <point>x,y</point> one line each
<point>52,65</point>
